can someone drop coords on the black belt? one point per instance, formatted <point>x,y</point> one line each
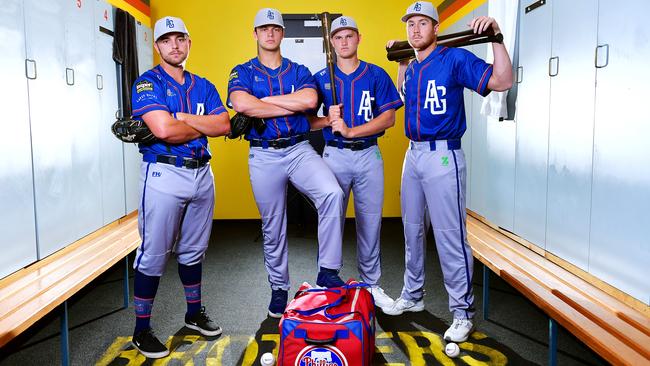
<point>177,161</point>
<point>280,143</point>
<point>352,145</point>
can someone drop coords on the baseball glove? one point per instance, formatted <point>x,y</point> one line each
<point>241,124</point>
<point>133,131</point>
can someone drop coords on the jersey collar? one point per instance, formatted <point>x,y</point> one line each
<point>341,75</point>
<point>168,77</point>
<point>258,65</point>
<point>436,51</point>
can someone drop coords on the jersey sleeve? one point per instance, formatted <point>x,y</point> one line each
<point>213,100</point>
<point>239,79</point>
<point>386,95</point>
<point>147,95</point>
<point>304,78</point>
<point>472,72</point>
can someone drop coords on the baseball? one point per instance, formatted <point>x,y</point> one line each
<point>267,359</point>
<point>452,350</point>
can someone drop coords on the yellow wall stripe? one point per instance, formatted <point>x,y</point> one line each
<point>137,14</point>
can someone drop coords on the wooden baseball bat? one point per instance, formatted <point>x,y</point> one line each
<point>325,21</point>
<point>402,50</point>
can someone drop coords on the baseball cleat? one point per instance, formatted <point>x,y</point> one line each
<point>278,303</point>
<point>403,305</point>
<point>459,330</point>
<point>381,299</point>
<point>147,344</point>
<point>201,322</point>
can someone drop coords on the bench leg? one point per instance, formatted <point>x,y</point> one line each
<point>126,281</point>
<point>65,345</point>
<point>552,342</point>
<point>486,291</point>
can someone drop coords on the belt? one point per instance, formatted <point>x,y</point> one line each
<point>352,145</point>
<point>452,144</point>
<point>177,161</point>
<point>280,143</point>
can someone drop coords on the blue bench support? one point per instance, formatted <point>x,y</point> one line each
<point>65,344</point>
<point>552,342</point>
<point>486,291</point>
<point>126,282</point>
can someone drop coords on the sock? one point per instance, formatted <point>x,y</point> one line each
<point>191,279</point>
<point>144,291</point>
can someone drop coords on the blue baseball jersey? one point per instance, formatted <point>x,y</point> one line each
<point>365,94</point>
<point>433,93</point>
<point>156,90</point>
<point>260,81</point>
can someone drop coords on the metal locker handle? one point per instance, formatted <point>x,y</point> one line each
<point>520,74</point>
<point>30,69</point>
<point>553,60</point>
<point>100,82</point>
<point>598,48</point>
<point>69,76</point>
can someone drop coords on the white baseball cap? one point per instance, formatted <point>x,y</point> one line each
<point>421,8</point>
<point>166,25</point>
<point>268,16</point>
<point>343,22</point>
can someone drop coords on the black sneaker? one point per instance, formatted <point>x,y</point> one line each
<point>201,321</point>
<point>147,343</point>
<point>278,303</point>
<point>329,278</point>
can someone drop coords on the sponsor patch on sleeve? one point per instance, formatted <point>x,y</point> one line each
<point>144,85</point>
<point>233,75</point>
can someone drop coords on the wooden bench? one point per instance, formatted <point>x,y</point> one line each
<point>618,332</point>
<point>32,292</point>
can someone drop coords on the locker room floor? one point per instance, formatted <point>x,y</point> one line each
<point>236,293</point>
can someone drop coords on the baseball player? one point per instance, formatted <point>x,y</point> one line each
<point>280,91</point>
<point>175,213</point>
<point>434,172</point>
<point>369,100</point>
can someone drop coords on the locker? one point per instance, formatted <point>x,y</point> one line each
<point>532,123</point>
<point>18,226</point>
<point>52,157</point>
<point>83,104</point>
<point>111,149</point>
<point>619,248</point>
<point>571,130</point>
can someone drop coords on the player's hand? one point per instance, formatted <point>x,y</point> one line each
<point>482,23</point>
<point>338,125</point>
<point>390,43</point>
<point>180,116</point>
<point>334,112</point>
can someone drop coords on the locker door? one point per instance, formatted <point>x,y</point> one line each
<point>111,150</point>
<point>620,249</point>
<point>532,123</point>
<point>571,130</point>
<point>83,104</point>
<point>18,226</point>
<point>51,146</point>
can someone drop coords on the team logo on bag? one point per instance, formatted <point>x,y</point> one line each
<point>321,356</point>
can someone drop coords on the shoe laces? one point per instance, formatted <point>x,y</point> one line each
<point>460,323</point>
<point>203,315</point>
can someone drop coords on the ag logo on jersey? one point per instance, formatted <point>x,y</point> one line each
<point>142,86</point>
<point>365,106</point>
<point>200,109</point>
<point>436,103</point>
<point>321,356</point>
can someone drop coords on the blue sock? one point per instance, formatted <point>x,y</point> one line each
<point>191,279</point>
<point>144,291</point>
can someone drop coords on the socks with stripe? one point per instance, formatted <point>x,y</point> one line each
<point>144,291</point>
<point>191,279</point>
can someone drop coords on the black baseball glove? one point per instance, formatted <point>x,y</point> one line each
<point>241,124</point>
<point>133,131</point>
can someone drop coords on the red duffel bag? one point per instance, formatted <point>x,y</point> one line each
<point>328,327</point>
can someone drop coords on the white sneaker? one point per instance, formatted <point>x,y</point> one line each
<point>459,331</point>
<point>400,305</point>
<point>381,299</point>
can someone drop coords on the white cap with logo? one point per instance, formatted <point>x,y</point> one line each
<point>343,22</point>
<point>421,8</point>
<point>268,16</point>
<point>166,25</point>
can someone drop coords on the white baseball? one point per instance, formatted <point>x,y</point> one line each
<point>267,359</point>
<point>452,350</point>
